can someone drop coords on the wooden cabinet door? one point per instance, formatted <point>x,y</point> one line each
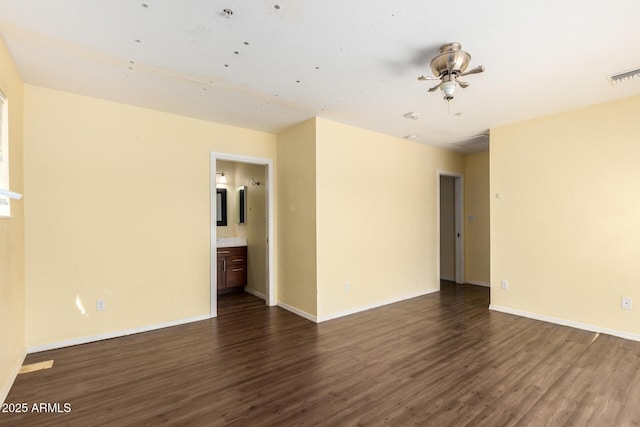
<point>221,276</point>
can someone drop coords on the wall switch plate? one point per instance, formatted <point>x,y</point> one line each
<point>626,303</point>
<point>100,305</point>
<point>347,286</point>
<point>504,284</point>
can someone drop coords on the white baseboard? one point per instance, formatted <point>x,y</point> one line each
<point>12,376</point>
<point>299,312</point>
<point>255,293</point>
<point>376,305</point>
<point>475,282</point>
<point>563,322</point>
<point>448,279</point>
<point>116,334</point>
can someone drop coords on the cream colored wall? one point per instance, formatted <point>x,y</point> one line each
<point>12,282</point>
<point>296,205</point>
<point>376,217</point>
<point>476,226</point>
<point>564,232</point>
<point>255,227</point>
<point>117,202</point>
<point>447,228</point>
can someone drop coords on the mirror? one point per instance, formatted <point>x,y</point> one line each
<point>242,205</point>
<point>221,207</point>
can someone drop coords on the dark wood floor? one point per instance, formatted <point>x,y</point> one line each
<point>439,360</point>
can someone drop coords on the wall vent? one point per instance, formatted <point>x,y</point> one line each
<point>625,76</point>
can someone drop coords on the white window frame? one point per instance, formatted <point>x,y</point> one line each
<point>5,194</point>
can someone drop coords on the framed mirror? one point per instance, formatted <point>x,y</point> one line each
<point>242,205</point>
<point>221,207</point>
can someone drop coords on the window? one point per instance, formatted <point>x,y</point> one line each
<point>5,207</point>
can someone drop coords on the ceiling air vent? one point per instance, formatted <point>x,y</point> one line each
<point>625,76</point>
<point>482,138</point>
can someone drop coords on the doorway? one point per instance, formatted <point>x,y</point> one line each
<point>262,246</point>
<point>450,227</point>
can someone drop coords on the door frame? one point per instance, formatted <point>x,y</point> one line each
<point>268,163</point>
<point>459,222</point>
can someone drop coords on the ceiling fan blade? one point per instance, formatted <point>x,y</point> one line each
<point>428,78</point>
<point>462,84</point>
<point>476,70</point>
<point>436,87</point>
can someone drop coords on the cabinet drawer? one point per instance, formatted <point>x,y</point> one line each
<point>232,252</point>
<point>236,260</point>
<point>236,275</point>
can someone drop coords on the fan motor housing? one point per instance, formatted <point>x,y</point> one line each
<point>451,60</point>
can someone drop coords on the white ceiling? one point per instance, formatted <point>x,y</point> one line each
<point>274,63</point>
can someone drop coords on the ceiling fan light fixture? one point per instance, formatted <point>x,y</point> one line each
<point>448,65</point>
<point>448,88</point>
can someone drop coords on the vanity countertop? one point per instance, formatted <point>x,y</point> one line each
<point>228,242</point>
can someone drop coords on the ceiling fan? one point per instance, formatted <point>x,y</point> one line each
<point>448,65</point>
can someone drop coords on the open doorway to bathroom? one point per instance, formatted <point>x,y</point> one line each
<point>241,230</point>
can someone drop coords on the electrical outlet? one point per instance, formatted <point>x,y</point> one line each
<point>100,305</point>
<point>504,284</point>
<point>626,303</point>
<point>347,286</point>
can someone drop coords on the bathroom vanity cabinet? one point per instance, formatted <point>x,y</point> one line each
<point>231,268</point>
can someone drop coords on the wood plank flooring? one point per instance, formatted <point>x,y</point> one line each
<point>439,360</point>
